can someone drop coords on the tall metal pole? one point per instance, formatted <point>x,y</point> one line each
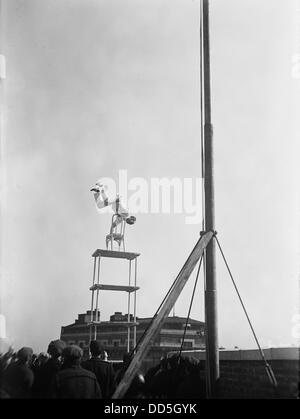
<point>212,347</point>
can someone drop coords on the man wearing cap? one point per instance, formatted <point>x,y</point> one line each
<point>101,368</point>
<point>46,372</point>
<point>18,376</point>
<point>73,381</point>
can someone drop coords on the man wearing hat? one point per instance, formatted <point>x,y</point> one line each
<point>101,368</point>
<point>18,376</point>
<point>46,372</point>
<point>73,381</point>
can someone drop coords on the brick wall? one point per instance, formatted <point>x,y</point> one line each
<point>248,379</point>
<point>243,375</point>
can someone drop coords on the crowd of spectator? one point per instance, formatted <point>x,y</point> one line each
<point>61,373</point>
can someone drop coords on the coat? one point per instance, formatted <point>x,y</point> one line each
<point>75,383</point>
<point>43,377</point>
<point>105,375</point>
<point>18,380</point>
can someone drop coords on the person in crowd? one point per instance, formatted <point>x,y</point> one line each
<point>104,355</point>
<point>159,383</point>
<point>73,381</point>
<point>45,373</point>
<point>39,361</point>
<point>18,376</point>
<point>5,360</point>
<point>137,388</point>
<point>122,369</point>
<point>42,359</point>
<point>149,377</point>
<point>178,377</point>
<point>191,384</point>
<point>33,361</point>
<point>102,368</point>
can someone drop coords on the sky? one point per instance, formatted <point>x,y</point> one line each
<point>100,86</point>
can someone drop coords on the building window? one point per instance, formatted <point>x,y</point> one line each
<point>188,344</point>
<point>116,343</point>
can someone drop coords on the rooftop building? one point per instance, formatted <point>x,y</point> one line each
<point>113,335</point>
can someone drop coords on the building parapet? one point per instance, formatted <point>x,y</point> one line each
<point>288,353</point>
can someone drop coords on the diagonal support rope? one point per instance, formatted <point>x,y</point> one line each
<point>268,367</point>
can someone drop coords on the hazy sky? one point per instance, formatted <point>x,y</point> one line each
<point>96,86</point>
